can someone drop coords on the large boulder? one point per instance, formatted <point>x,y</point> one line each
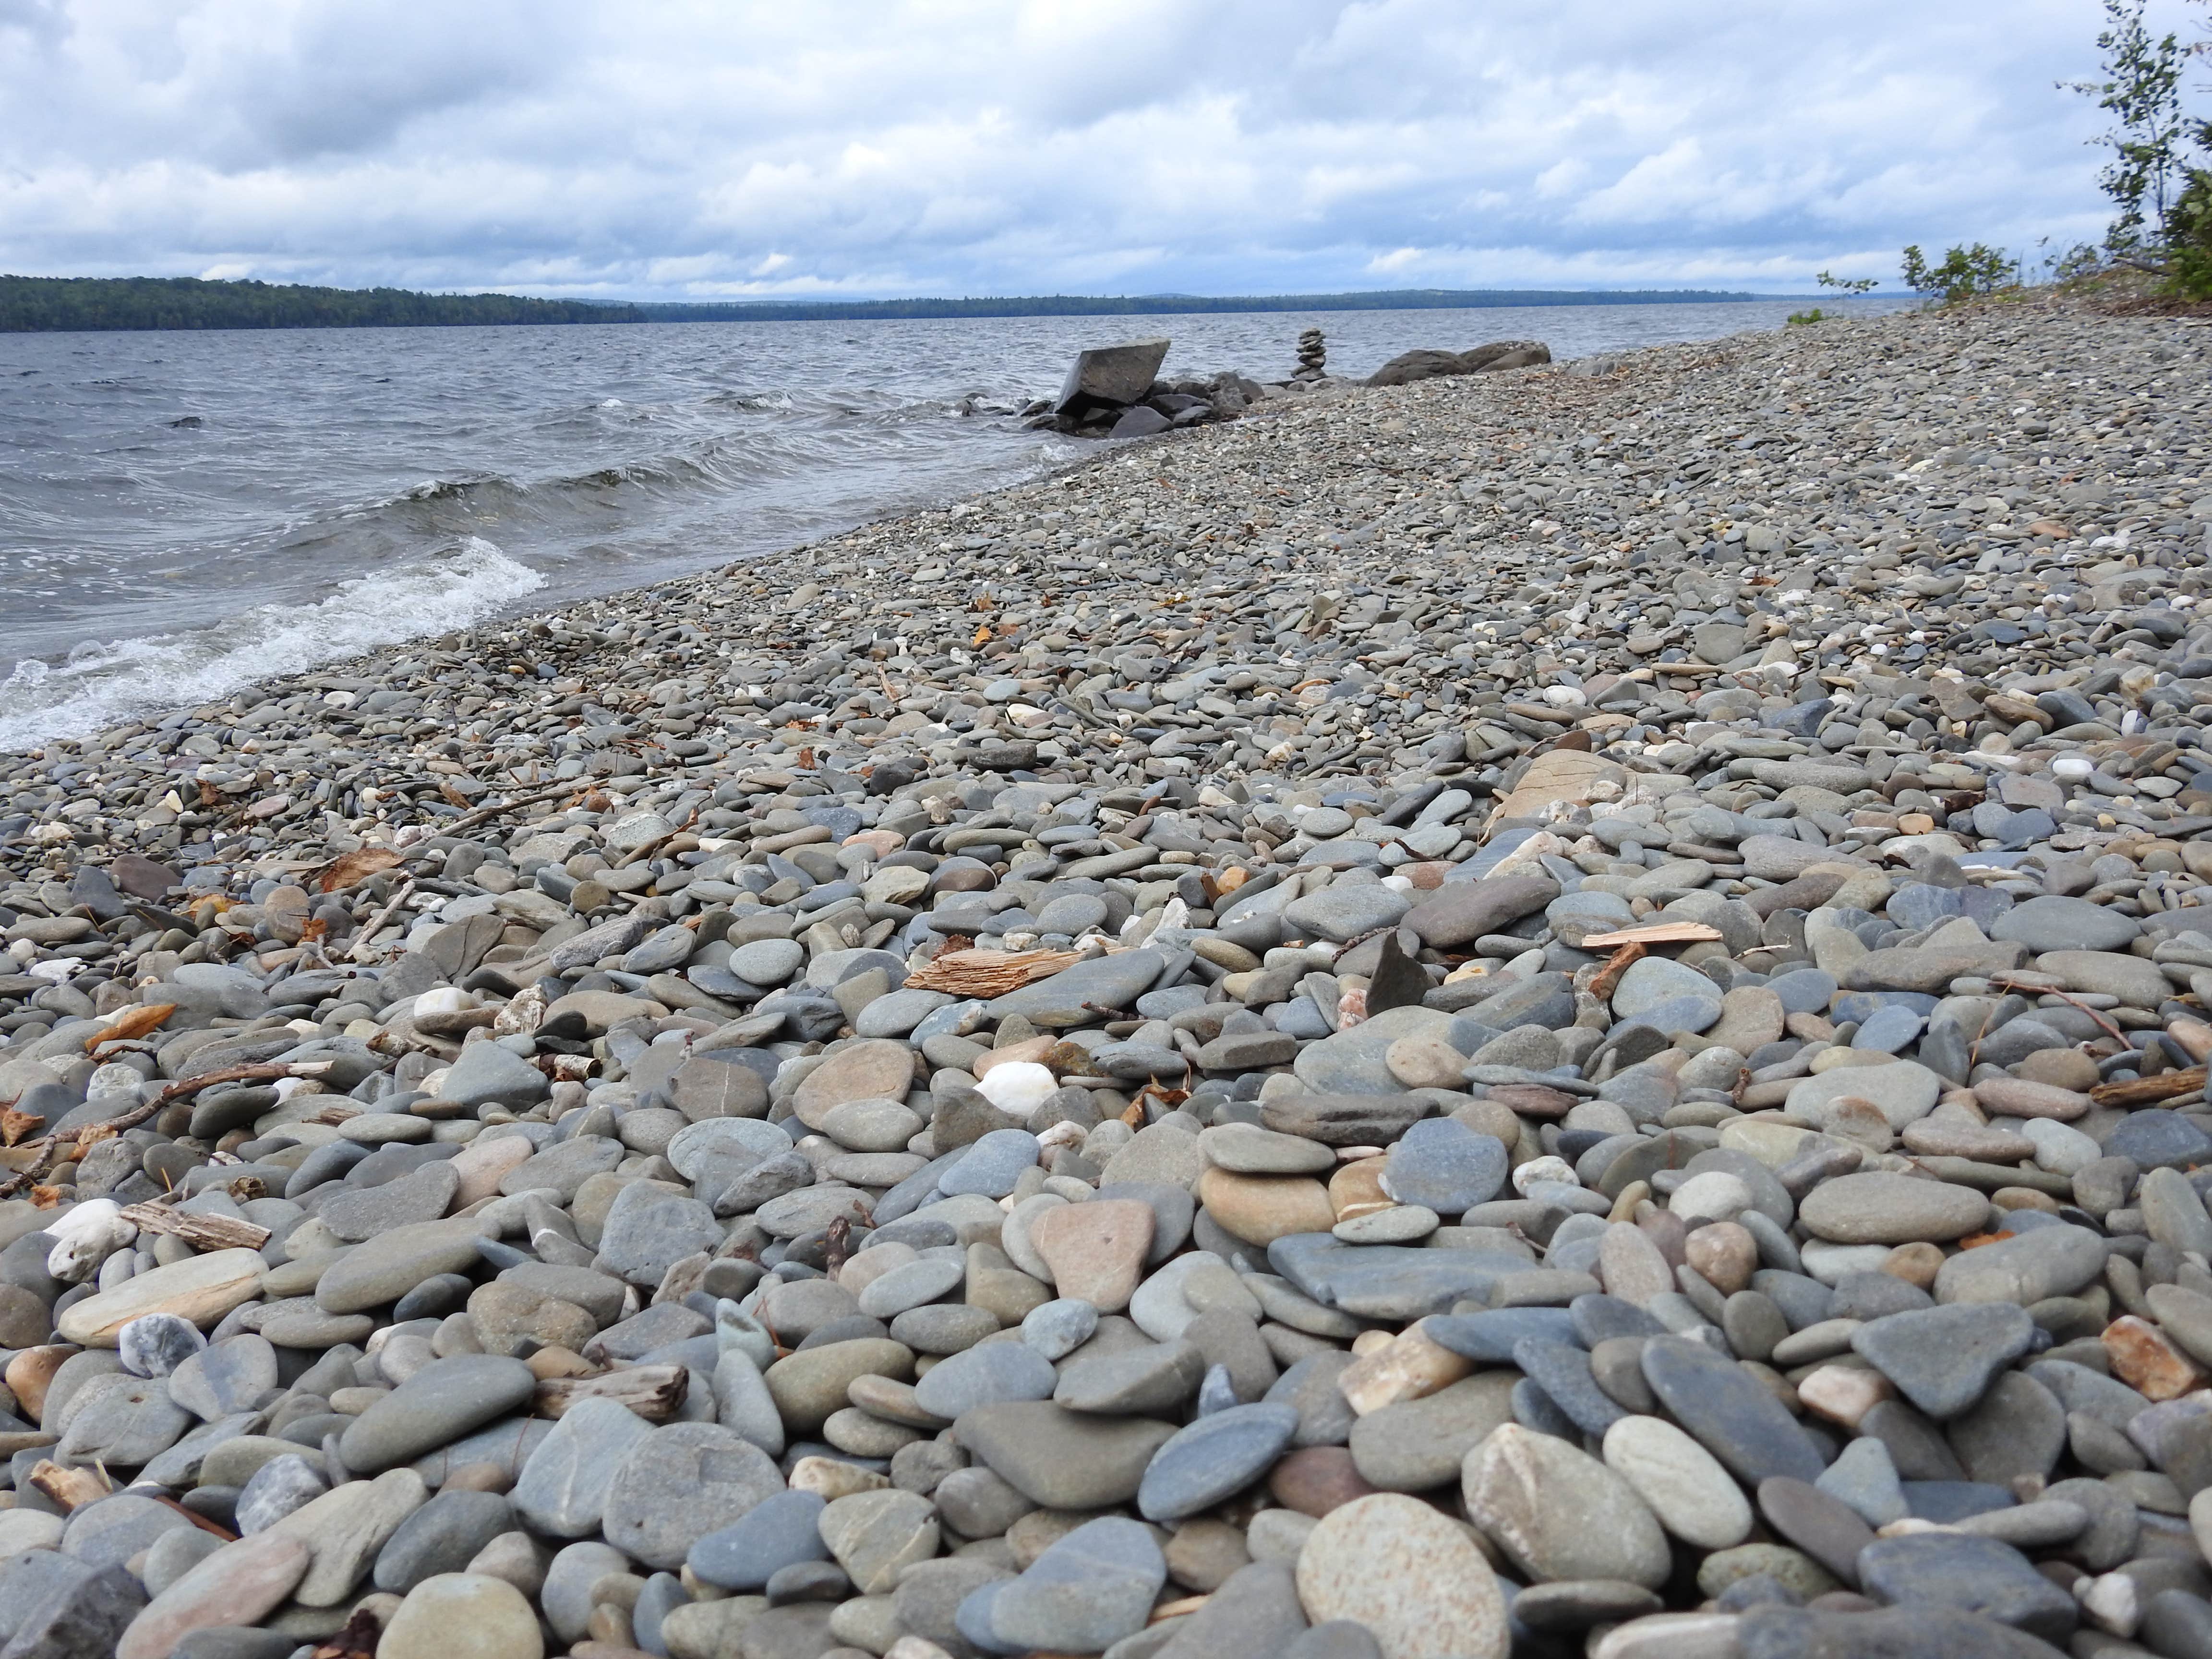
<point>1427,365</point>
<point>1111,377</point>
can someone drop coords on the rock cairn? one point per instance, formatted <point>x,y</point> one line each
<point>1313,355</point>
<point>1110,392</point>
<point>1545,1014</point>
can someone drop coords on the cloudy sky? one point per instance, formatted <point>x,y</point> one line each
<point>703,148</point>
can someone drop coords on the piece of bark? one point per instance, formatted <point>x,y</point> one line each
<point>655,1392</point>
<point>202,1232</point>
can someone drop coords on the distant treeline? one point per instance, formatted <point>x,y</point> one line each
<point>33,304</point>
<point>1168,305</point>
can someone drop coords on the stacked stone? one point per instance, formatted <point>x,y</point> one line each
<point>1313,355</point>
<point>1049,1127</point>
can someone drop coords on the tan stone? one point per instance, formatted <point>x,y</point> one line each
<point>1357,1189</point>
<point>237,1585</point>
<point>31,1372</point>
<point>1408,1367</point>
<point>1844,1394</point>
<point>1096,1250</point>
<point>2146,1360</point>
<point>201,1289</point>
<point>1261,1209</point>
<point>2014,1097</point>
<point>1725,1253</point>
<point>874,1068</point>
<point>481,1164</point>
<point>460,1615</point>
<point>1416,1580</point>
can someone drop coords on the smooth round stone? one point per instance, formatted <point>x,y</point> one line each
<point>1248,1149</point>
<point>1653,982</point>
<point>1804,990</point>
<point>680,1482</point>
<point>278,1488</point>
<point>944,1328</point>
<point>910,1286</point>
<point>155,1345</point>
<point>1559,1513</point>
<point>871,1126</point>
<point>992,1165</point>
<point>1943,1359</point>
<point>1084,1593</point>
<point>1444,1166</point>
<point>109,1531</point>
<point>1692,1495</point>
<point>435,1407</point>
<point>1876,1207</point>
<point>445,1535</point>
<point>1728,1410</point>
<point>897,1013</point>
<point>199,1290</point>
<point>237,1585</point>
<point>381,1271</point>
<point>566,1597</point>
<point>1903,1092</point>
<point>776,1533</point>
<point>462,1616</point>
<point>875,1534</point>
<point>732,1143</point>
<point>386,1129</point>
<point>562,1490</point>
<point>766,961</point>
<point>1056,1330</point>
<point>649,1229</point>
<point>1401,1223</point>
<point>1217,1456</point>
<point>985,1374</point>
<point>1412,1579</point>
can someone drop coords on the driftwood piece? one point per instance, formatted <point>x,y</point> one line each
<point>46,1150</point>
<point>655,1392</point>
<point>989,973</point>
<point>2141,1090</point>
<point>1658,933</point>
<point>202,1232</point>
<point>70,1488</point>
<point>1608,977</point>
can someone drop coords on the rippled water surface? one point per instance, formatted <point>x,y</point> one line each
<point>181,513</point>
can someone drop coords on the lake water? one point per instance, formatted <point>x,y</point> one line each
<point>182,513</point>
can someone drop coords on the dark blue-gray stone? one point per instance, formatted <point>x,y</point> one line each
<point>1597,1317</point>
<point>442,1536</point>
<point>1946,1501</point>
<point>1563,1372</point>
<point>1804,990</point>
<point>435,1406</point>
<point>1214,1457</point>
<point>1974,1574</point>
<point>1489,1338</point>
<point>1443,1164</point>
<point>1942,1358</point>
<point>1728,1411</point>
<point>1890,1031</point>
<point>773,1534</point>
<point>1387,1281</point>
<point>2157,1138</point>
<point>1917,905</point>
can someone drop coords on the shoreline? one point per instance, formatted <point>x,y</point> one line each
<point>1573,1000</point>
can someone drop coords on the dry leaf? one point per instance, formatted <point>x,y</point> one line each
<point>351,869</point>
<point>15,1125</point>
<point>132,1023</point>
<point>93,1133</point>
<point>982,634</point>
<point>453,797</point>
<point>44,1198</point>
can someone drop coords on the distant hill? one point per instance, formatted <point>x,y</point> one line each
<point>1168,305</point>
<point>35,303</point>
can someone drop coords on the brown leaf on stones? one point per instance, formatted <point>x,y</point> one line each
<point>351,869</point>
<point>15,1125</point>
<point>974,973</point>
<point>132,1023</point>
<point>358,1640</point>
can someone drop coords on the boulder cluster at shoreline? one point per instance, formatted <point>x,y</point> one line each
<point>1549,1013</point>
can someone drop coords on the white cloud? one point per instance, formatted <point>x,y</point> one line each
<point>710,147</point>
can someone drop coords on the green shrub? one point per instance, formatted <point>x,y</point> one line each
<point>1965,273</point>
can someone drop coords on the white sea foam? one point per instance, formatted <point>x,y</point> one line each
<point>104,684</point>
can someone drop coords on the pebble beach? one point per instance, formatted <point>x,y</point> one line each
<point>1550,1012</point>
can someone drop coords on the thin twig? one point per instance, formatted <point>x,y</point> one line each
<point>382,916</point>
